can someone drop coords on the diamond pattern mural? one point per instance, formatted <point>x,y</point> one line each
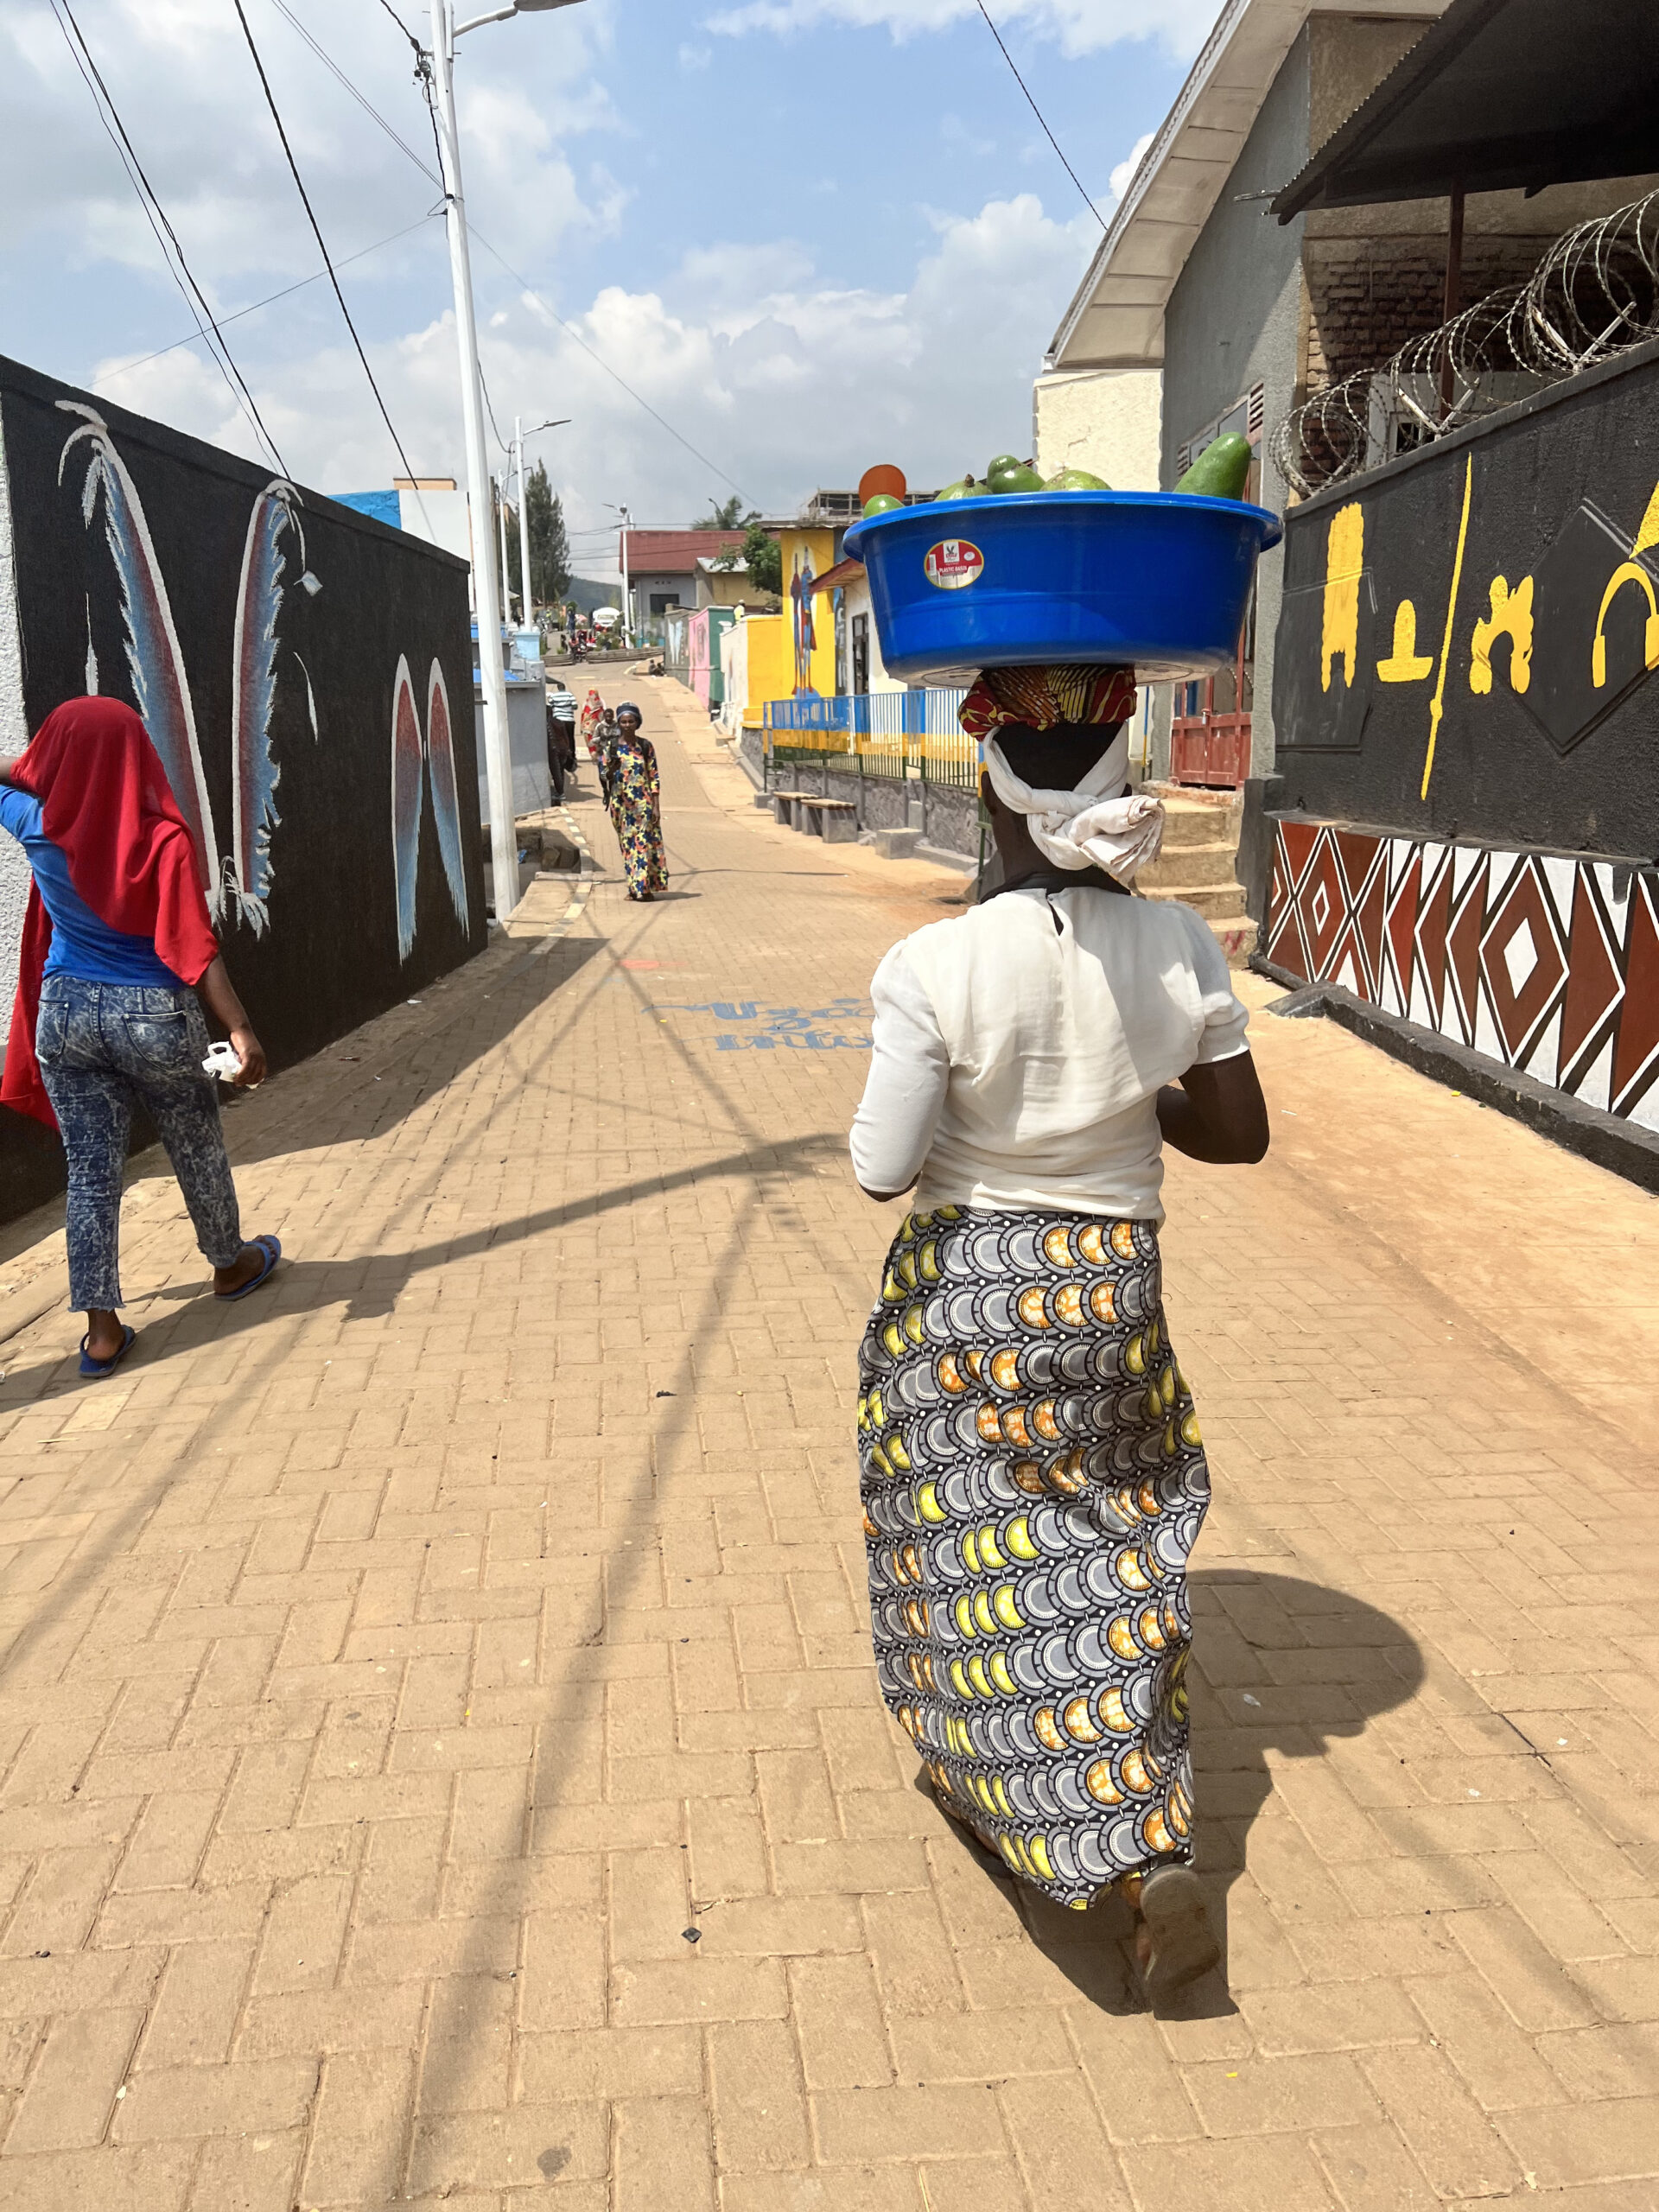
<point>1546,962</point>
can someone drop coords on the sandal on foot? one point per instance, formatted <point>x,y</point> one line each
<point>1175,1942</point>
<point>272,1249</point>
<point>93,1368</point>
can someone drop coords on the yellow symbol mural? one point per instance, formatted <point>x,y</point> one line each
<point>1437,704</point>
<point>1629,572</point>
<point>1405,665</point>
<point>1344,560</point>
<point>1511,618</point>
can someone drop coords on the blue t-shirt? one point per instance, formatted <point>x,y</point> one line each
<point>81,944</point>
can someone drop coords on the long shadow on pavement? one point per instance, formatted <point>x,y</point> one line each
<point>1285,1667</point>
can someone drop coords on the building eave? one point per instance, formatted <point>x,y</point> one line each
<point>1181,176</point>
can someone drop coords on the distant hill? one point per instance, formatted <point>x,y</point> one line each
<point>589,595</point>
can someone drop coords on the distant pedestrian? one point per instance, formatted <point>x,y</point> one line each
<point>593,712</point>
<point>106,1018</point>
<point>633,798</point>
<point>1033,1474</point>
<point>561,738</point>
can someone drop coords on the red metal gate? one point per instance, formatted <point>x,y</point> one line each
<point>1210,736</point>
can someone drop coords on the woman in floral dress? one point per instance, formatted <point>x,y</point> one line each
<point>633,798</point>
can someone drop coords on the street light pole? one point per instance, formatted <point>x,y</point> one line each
<point>498,751</point>
<point>525,615</point>
<point>507,572</point>
<point>627,588</point>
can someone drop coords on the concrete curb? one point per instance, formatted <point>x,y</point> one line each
<point>1623,1148</point>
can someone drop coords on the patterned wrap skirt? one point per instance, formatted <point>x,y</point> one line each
<point>1033,1482</point>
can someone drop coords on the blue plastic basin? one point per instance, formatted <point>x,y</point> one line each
<point>1160,579</point>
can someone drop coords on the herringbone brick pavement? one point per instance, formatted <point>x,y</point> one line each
<point>442,1761</point>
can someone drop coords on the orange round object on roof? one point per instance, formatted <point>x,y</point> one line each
<point>884,477</point>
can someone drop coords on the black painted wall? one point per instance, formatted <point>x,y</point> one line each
<point>1557,490</point>
<point>329,956</point>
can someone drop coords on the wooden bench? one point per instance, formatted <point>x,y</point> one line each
<point>835,820</point>
<point>784,804</point>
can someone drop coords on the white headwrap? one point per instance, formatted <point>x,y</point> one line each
<point>1079,828</point>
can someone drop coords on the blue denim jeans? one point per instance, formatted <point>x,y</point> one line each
<point>102,1046</point>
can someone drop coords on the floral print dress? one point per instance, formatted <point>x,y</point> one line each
<point>633,799</point>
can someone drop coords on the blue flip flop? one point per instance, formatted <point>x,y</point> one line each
<point>93,1368</point>
<point>272,1249</point>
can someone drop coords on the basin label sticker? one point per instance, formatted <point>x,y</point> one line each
<point>953,564</point>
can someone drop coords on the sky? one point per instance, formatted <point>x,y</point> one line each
<point>810,234</point>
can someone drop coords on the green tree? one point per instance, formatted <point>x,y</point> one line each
<point>726,514</point>
<point>550,547</point>
<point>761,555</point>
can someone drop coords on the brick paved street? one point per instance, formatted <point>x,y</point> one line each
<point>402,1669</point>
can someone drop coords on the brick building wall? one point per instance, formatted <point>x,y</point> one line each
<point>1365,298</point>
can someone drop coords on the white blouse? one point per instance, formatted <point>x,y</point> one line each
<point>1019,1050</point>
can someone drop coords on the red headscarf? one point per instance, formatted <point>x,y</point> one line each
<point>106,802</point>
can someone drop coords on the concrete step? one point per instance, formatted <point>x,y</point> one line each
<point>1185,824</point>
<point>1212,900</point>
<point>1192,864</point>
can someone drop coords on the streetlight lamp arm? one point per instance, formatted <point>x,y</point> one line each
<point>477,22</point>
<point>513,8</point>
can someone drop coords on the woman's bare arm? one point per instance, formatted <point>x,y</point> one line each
<point>224,1005</point>
<point>1218,1112</point>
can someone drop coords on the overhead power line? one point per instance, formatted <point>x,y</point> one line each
<point>1042,119</point>
<point>316,232</point>
<point>423,78</point>
<point>577,339</point>
<point>271,299</point>
<point>166,237</point>
<point>362,99</point>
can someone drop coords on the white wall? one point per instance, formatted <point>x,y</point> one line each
<point>441,517</point>
<point>858,602</point>
<point>1104,420</point>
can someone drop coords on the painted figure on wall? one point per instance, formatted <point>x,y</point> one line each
<point>800,594</point>
<point>160,685</point>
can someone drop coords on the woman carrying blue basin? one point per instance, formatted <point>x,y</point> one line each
<point>1032,1471</point>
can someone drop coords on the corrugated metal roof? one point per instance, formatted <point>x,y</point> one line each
<point>674,552</point>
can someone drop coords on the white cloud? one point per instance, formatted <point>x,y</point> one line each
<point>783,379</point>
<point>1076,26</point>
<point>188,95</point>
<point>1123,175</point>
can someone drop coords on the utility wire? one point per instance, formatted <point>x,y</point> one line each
<point>1038,113</point>
<point>172,252</point>
<point>401,25</point>
<point>576,338</point>
<point>271,299</point>
<point>489,407</point>
<point>422,71</point>
<point>316,232</point>
<point>339,76</point>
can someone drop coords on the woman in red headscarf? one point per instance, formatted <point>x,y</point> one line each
<point>117,943</point>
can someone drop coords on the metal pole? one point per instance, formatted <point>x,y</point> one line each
<point>627,591</point>
<point>525,607</point>
<point>1453,294</point>
<point>497,753</point>
<point>506,573</point>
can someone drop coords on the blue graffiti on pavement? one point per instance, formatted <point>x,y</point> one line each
<point>842,1026</point>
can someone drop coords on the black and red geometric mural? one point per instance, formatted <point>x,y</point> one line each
<point>1545,962</point>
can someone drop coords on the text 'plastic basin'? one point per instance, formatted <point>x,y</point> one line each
<point>1160,579</point>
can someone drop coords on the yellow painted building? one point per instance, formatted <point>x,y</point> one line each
<point>771,662</point>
